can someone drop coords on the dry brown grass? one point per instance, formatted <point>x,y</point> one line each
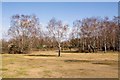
<point>46,64</point>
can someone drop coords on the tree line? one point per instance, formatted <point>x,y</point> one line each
<point>92,34</point>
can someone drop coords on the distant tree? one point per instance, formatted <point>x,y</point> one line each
<point>4,46</point>
<point>57,31</point>
<point>23,30</point>
<point>85,31</point>
<point>88,34</point>
<point>116,21</point>
<point>76,33</point>
<point>95,33</point>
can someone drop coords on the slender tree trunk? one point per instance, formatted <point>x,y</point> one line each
<point>79,45</point>
<point>59,50</point>
<point>83,48</point>
<point>118,43</point>
<point>105,48</point>
<point>118,33</point>
<point>22,45</point>
<point>94,45</point>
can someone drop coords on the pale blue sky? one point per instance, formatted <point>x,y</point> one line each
<point>59,0</point>
<point>66,11</point>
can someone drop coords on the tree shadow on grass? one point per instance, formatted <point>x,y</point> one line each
<point>77,61</point>
<point>99,62</point>
<point>69,51</point>
<point>41,55</point>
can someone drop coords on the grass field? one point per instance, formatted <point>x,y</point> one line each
<point>46,64</point>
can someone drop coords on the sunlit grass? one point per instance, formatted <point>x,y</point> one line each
<point>46,64</point>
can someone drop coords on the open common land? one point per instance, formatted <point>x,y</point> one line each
<point>46,64</point>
